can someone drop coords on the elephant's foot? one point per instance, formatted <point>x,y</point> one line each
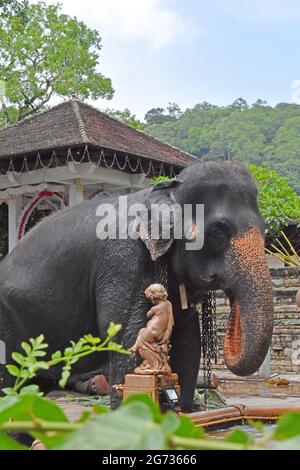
<point>97,385</point>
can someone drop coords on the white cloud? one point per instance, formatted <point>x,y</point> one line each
<point>139,45</point>
<point>157,22</point>
<point>262,10</point>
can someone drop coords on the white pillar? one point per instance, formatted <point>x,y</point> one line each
<point>265,370</point>
<point>14,212</point>
<point>76,195</point>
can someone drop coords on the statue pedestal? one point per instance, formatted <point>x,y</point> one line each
<point>152,385</point>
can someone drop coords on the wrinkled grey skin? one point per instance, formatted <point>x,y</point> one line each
<point>63,282</point>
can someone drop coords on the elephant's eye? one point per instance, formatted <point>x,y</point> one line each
<point>218,236</point>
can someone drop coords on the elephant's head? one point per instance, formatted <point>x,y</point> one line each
<point>232,257</point>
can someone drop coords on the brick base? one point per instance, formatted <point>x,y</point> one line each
<point>285,350</point>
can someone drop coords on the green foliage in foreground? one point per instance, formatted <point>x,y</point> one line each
<point>138,424</point>
<point>33,360</point>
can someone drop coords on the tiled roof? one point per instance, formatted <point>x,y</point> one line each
<point>74,123</point>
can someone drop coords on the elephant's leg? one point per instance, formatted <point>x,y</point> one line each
<point>132,315</point>
<point>6,380</point>
<point>83,383</point>
<point>7,348</point>
<point>185,354</point>
<point>119,367</point>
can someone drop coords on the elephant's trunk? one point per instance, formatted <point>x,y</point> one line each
<point>249,330</point>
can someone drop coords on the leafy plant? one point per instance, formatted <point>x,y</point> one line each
<point>279,204</point>
<point>287,254</point>
<point>45,53</point>
<point>29,364</point>
<point>160,179</point>
<point>138,424</point>
<point>126,117</point>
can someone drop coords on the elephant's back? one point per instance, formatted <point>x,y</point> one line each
<point>45,281</point>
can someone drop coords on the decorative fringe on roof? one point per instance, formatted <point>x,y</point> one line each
<point>123,163</point>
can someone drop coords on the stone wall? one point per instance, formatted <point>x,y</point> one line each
<point>285,352</point>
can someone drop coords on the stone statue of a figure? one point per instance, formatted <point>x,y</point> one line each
<point>153,341</point>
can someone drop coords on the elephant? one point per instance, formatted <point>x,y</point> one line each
<point>63,281</point>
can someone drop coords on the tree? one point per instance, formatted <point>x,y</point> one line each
<point>260,134</point>
<point>240,104</point>
<point>156,116</point>
<point>45,53</point>
<point>279,204</point>
<point>126,117</point>
<point>174,111</point>
<point>259,103</point>
<point>13,5</point>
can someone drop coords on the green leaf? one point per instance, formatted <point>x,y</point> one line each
<point>9,391</point>
<point>84,417</point>
<point>113,329</point>
<point>99,409</point>
<point>92,340</point>
<point>31,390</point>
<point>239,437</point>
<point>18,358</point>
<point>65,375</point>
<point>39,354</point>
<point>26,347</point>
<point>146,400</point>
<point>117,348</point>
<point>154,439</point>
<point>288,426</point>
<point>7,443</point>
<point>127,428</point>
<point>188,429</point>
<point>13,370</point>
<point>170,423</point>
<point>42,365</point>
<point>56,356</point>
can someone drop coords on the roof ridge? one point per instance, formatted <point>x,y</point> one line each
<point>79,120</point>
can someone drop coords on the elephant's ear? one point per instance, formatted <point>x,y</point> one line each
<point>157,245</point>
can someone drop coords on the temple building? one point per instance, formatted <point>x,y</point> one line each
<point>73,152</point>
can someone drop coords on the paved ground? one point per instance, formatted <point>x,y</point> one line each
<point>254,391</point>
<point>251,391</point>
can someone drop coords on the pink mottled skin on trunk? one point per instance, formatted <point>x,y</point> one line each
<point>248,332</point>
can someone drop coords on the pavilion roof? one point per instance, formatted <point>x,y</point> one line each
<point>72,124</point>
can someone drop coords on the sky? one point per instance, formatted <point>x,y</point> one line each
<point>190,51</point>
